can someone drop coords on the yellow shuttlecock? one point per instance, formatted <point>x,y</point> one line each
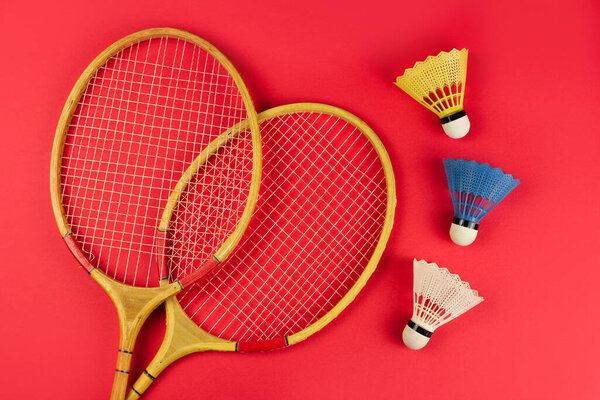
<point>438,83</point>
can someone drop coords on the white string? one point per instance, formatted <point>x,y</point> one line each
<point>273,286</point>
<point>143,118</point>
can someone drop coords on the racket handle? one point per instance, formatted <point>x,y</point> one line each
<point>121,375</point>
<point>140,386</point>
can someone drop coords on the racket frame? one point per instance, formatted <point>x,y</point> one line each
<point>135,304</point>
<point>184,337</point>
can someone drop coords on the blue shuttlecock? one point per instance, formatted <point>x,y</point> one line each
<point>475,189</point>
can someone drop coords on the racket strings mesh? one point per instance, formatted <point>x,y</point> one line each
<point>319,216</point>
<point>141,121</point>
<point>218,192</point>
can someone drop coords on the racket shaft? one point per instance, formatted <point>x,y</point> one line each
<point>121,376</point>
<point>140,386</point>
<point>182,337</point>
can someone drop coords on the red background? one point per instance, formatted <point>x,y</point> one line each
<point>532,97</point>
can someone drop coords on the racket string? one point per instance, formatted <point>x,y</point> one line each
<point>142,120</point>
<point>202,203</point>
<point>309,238</point>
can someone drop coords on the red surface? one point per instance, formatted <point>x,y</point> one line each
<point>532,97</point>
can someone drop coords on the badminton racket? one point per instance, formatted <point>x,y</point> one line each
<point>155,106</point>
<point>322,220</point>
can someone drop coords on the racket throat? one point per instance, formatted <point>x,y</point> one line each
<point>134,305</point>
<point>182,337</point>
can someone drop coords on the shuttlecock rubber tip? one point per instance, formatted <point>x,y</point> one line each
<point>456,125</point>
<point>413,339</point>
<point>462,235</point>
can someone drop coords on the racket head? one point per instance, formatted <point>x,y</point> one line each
<point>164,94</point>
<point>324,172</point>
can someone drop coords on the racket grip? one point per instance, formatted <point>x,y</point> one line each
<point>121,380</point>
<point>140,386</point>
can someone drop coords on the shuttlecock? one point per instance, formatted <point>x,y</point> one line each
<point>438,83</point>
<point>438,297</point>
<point>475,189</point>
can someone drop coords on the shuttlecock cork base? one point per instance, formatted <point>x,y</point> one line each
<point>438,297</point>
<point>456,125</point>
<point>463,232</point>
<point>415,337</point>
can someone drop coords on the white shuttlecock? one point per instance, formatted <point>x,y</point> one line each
<point>439,297</point>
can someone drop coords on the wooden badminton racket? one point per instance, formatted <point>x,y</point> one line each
<point>152,108</point>
<point>323,218</point>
